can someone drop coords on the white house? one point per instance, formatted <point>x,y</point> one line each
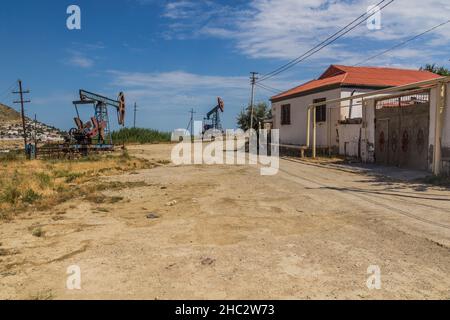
<point>289,108</point>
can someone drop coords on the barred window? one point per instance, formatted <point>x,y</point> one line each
<point>286,114</point>
<point>321,111</point>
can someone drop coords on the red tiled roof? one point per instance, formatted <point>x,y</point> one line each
<point>374,77</point>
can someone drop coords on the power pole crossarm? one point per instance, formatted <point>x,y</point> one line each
<point>22,110</point>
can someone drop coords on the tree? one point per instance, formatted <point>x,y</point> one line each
<point>261,112</point>
<point>442,71</point>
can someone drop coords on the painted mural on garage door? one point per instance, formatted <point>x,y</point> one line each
<point>401,133</point>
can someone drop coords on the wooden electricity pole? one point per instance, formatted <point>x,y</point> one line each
<point>22,109</point>
<point>253,79</point>
<point>135,111</point>
<point>190,126</point>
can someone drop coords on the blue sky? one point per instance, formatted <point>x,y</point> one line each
<point>170,56</point>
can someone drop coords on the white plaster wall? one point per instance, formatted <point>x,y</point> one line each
<point>357,106</point>
<point>368,132</point>
<point>327,132</point>
<point>432,118</point>
<point>295,133</point>
<point>349,135</point>
<point>446,126</point>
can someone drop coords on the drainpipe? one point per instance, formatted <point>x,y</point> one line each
<point>308,129</point>
<point>440,105</point>
<point>350,108</point>
<point>314,133</point>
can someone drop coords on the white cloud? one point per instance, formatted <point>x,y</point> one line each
<point>78,60</point>
<point>283,29</point>
<point>171,94</point>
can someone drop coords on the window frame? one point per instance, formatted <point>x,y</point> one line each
<point>286,114</point>
<point>321,110</point>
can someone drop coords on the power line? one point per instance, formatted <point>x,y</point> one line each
<point>322,46</point>
<point>267,88</point>
<point>293,62</point>
<point>326,42</point>
<point>403,43</point>
<point>8,92</point>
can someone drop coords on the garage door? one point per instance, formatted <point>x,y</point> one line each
<point>402,128</point>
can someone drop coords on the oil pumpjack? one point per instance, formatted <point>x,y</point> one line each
<point>96,133</point>
<point>212,120</point>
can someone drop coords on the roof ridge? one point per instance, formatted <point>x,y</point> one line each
<point>381,67</point>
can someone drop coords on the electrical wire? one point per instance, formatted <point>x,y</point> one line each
<point>6,93</point>
<point>402,43</point>
<point>325,43</point>
<point>267,88</point>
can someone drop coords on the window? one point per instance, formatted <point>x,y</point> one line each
<point>286,114</point>
<point>321,111</point>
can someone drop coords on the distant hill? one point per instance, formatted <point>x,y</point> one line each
<point>11,127</point>
<point>9,114</point>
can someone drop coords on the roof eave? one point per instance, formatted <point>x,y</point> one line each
<point>325,88</point>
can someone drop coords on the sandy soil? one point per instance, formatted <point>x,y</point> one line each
<point>225,232</point>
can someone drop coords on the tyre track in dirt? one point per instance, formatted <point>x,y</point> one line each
<point>356,195</point>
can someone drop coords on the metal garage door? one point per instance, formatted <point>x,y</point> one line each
<point>401,131</point>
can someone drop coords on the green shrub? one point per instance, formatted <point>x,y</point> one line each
<point>11,156</point>
<point>138,135</point>
<point>30,196</point>
<point>44,179</point>
<point>11,195</point>
<point>126,155</point>
<point>38,232</point>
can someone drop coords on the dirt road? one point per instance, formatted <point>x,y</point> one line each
<point>226,232</point>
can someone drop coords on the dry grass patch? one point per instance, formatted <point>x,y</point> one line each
<point>42,184</point>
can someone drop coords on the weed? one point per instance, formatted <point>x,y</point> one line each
<point>45,180</point>
<point>11,156</point>
<point>164,162</point>
<point>11,195</point>
<point>115,199</point>
<point>30,196</point>
<point>125,155</point>
<point>442,181</point>
<point>96,198</point>
<point>43,295</point>
<point>38,232</point>
<point>71,177</point>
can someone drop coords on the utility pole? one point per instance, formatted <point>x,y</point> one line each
<point>191,123</point>
<point>35,132</point>
<point>135,111</point>
<point>22,102</point>
<point>253,79</point>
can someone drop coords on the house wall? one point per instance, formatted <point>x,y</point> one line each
<point>327,132</point>
<point>432,127</point>
<point>295,133</point>
<point>446,135</point>
<point>349,135</point>
<point>368,132</point>
<point>446,128</point>
<point>445,142</point>
<point>357,105</point>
